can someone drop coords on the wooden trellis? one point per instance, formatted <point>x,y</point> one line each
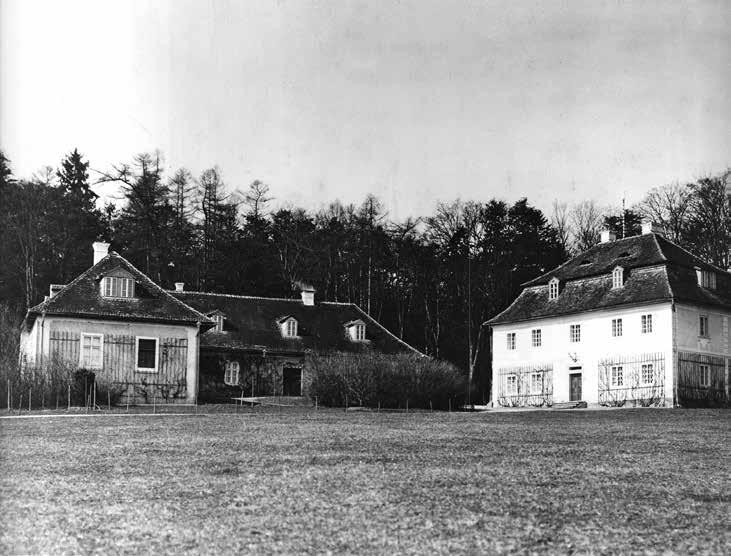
<point>530,385</point>
<point>634,388</point>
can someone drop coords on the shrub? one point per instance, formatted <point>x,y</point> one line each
<point>391,381</point>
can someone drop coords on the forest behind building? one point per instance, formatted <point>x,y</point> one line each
<point>431,280</point>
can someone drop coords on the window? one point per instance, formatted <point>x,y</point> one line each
<point>646,324</point>
<point>356,330</point>
<point>575,333</point>
<point>359,332</point>
<point>705,375</point>
<point>553,289</point>
<point>703,331</point>
<point>511,340</point>
<point>536,383</point>
<point>289,328</point>
<point>116,286</point>
<point>231,373</point>
<point>617,376</point>
<point>218,319</point>
<point>616,327</point>
<point>618,277</point>
<point>648,373</point>
<point>511,384</point>
<point>536,337</point>
<point>147,354</point>
<point>706,278</point>
<point>91,351</point>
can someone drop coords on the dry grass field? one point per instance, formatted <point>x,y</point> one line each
<point>268,481</point>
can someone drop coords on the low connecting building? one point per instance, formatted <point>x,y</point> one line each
<point>633,322</point>
<point>121,328</point>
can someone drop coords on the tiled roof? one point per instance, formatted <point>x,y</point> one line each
<point>655,269</point>
<point>251,323</point>
<point>82,298</point>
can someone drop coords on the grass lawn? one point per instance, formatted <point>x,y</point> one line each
<point>328,481</point>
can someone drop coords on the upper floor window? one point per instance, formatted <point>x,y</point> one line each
<point>511,340</point>
<point>618,277</point>
<point>648,373</point>
<point>117,286</point>
<point>575,333</point>
<point>703,327</point>
<point>646,324</point>
<point>147,351</point>
<point>536,337</point>
<point>231,373</point>
<point>92,351</point>
<point>705,378</point>
<point>553,289</point>
<point>616,327</point>
<point>706,278</point>
<point>618,376</point>
<point>289,327</point>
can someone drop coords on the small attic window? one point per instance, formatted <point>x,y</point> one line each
<point>117,286</point>
<point>218,318</point>
<point>553,289</point>
<point>356,331</point>
<point>618,277</point>
<point>706,278</point>
<point>289,327</point>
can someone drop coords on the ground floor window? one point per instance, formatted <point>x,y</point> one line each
<point>91,351</point>
<point>147,354</point>
<point>511,385</point>
<point>617,376</point>
<point>705,371</point>
<point>648,373</point>
<point>536,383</point>
<point>231,373</point>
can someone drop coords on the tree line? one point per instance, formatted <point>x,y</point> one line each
<point>431,280</point>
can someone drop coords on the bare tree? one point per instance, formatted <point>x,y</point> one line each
<point>257,198</point>
<point>586,223</point>
<point>560,222</point>
<point>669,207</point>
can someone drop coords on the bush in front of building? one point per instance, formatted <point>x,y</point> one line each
<point>389,381</point>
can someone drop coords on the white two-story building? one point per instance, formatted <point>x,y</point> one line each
<point>633,322</point>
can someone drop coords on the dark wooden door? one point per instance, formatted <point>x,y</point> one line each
<point>575,387</point>
<point>292,381</point>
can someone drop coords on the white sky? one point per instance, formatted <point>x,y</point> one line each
<point>415,101</point>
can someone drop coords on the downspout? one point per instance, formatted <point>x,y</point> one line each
<point>40,340</point>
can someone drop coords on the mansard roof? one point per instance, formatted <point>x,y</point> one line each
<point>82,298</point>
<point>252,323</point>
<point>655,270</point>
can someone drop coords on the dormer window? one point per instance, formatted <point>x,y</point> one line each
<point>553,289</point>
<point>218,319</point>
<point>288,326</point>
<point>117,286</point>
<point>706,278</point>
<point>356,330</point>
<point>618,277</point>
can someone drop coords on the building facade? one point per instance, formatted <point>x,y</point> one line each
<point>631,322</point>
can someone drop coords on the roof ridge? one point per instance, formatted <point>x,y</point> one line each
<point>692,255</point>
<point>175,292</point>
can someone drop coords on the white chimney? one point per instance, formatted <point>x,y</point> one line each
<point>649,227</point>
<point>179,286</point>
<point>308,295</point>
<point>607,236</point>
<point>101,250</point>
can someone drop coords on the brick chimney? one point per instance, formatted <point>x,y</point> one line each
<point>179,286</point>
<point>101,250</point>
<point>607,236</point>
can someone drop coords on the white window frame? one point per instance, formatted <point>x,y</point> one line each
<point>646,324</point>
<point>575,333</point>
<point>553,289</point>
<point>618,277</point>
<point>644,369</point>
<point>290,328</point>
<point>617,378</point>
<point>707,279</point>
<point>510,337</point>
<point>137,354</point>
<point>101,351</point>
<point>218,319</point>
<point>231,369</point>
<point>705,372</point>
<point>703,326</point>
<point>511,385</point>
<point>536,337</point>
<point>617,328</point>
<point>127,286</point>
<point>359,331</point>
<point>536,379</point>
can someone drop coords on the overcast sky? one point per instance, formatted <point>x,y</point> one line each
<point>415,101</point>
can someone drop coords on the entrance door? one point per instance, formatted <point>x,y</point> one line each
<point>575,387</point>
<point>292,381</point>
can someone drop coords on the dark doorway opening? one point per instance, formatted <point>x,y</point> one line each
<point>575,387</point>
<point>292,381</point>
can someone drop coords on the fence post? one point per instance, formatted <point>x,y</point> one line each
<point>30,397</point>
<point>8,394</point>
<point>68,399</point>
<point>154,399</point>
<point>109,401</point>
<point>94,405</point>
<point>316,408</point>
<point>450,405</point>
<point>20,405</point>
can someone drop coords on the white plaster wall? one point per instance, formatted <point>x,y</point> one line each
<point>688,323</point>
<point>596,343</point>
